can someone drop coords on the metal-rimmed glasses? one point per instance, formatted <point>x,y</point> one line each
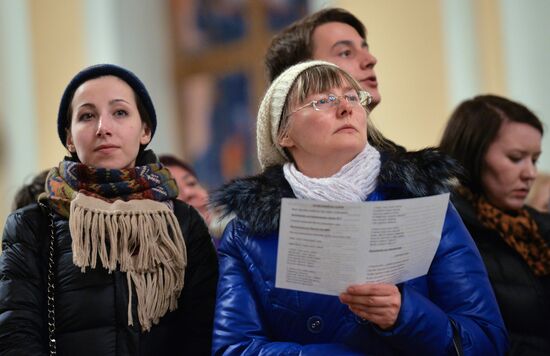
<point>331,100</point>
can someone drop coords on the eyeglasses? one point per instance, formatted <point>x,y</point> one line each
<point>354,98</point>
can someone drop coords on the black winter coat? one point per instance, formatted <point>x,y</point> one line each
<point>524,299</point>
<point>91,308</point>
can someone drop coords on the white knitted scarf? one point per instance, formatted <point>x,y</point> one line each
<point>353,183</point>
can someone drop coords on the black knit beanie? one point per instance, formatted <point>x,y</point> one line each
<point>96,71</point>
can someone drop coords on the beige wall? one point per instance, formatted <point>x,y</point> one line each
<point>488,25</point>
<point>57,43</point>
<point>407,38</point>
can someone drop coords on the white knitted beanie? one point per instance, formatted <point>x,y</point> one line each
<point>269,114</point>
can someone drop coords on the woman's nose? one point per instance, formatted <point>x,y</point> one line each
<point>185,193</point>
<point>103,126</point>
<point>529,171</point>
<point>344,107</point>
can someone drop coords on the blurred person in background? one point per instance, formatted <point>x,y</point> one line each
<point>29,193</point>
<point>498,141</point>
<point>191,190</point>
<point>334,35</point>
<point>539,196</point>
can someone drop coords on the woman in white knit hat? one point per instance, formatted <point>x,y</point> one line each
<point>312,144</point>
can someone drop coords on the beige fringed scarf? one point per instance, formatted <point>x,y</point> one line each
<point>141,237</point>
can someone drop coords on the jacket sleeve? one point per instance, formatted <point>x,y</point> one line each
<point>199,291</point>
<point>459,290</point>
<point>238,325</point>
<point>22,286</point>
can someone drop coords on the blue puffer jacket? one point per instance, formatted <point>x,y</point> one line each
<point>253,317</point>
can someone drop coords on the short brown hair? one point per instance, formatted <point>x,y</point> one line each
<point>293,44</point>
<point>474,125</point>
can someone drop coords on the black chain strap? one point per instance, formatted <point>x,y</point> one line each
<point>51,289</point>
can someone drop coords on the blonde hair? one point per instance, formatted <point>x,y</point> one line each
<point>318,79</point>
<point>539,195</point>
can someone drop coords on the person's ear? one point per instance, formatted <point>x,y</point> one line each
<point>145,134</point>
<point>69,142</point>
<point>286,141</point>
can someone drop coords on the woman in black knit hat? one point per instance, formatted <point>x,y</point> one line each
<point>107,262</point>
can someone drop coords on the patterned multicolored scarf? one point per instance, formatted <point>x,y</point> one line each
<point>124,219</point>
<point>151,181</point>
<point>520,231</point>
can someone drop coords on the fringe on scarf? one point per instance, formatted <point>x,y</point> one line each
<point>140,237</point>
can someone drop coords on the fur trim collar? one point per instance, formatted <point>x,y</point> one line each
<point>256,200</point>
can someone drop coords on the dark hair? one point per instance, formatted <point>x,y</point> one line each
<point>144,103</point>
<point>169,160</point>
<point>474,125</point>
<point>293,44</point>
<point>29,193</point>
<point>143,113</point>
